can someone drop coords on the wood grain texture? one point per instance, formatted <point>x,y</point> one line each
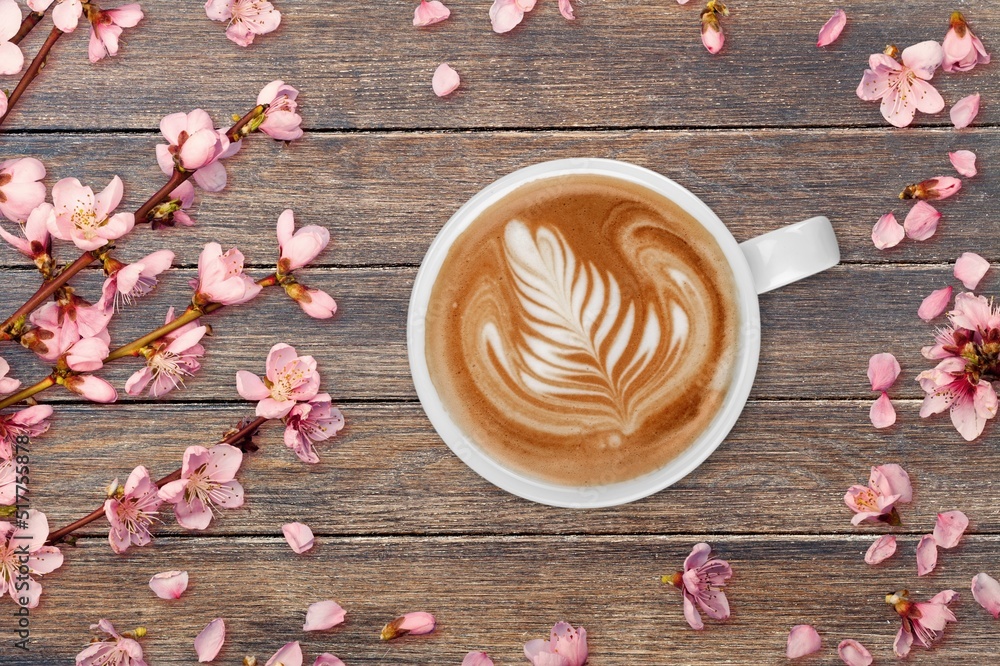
<point>496,593</point>
<point>384,196</point>
<point>621,63</point>
<point>783,469</point>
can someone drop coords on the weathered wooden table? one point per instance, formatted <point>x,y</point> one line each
<point>768,132</point>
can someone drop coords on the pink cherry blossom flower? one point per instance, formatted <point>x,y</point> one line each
<point>887,485</point>
<point>208,643</point>
<point>506,14</point>
<point>964,353</point>
<point>193,144</point>
<point>881,549</point>
<point>29,422</point>
<point>131,511</point>
<point>11,58</point>
<point>281,122</point>
<point>477,659</point>
<point>883,369</point>
<point>314,302</point>
<point>922,221</point>
<point>941,187</point>
<point>412,623</point>
<point>802,640</point>
<point>174,211</point>
<point>36,242</point>
<point>221,278</point>
<point>935,303</point>
<point>428,13</point>
<point>247,18</point>
<point>445,80</point>
<point>106,28</point>
<point>290,654</point>
<point>21,188</point>
<point>7,384</point>
<point>8,483</point>
<point>299,537</point>
<point>169,360</point>
<point>207,481</point>
<point>298,248</point>
<point>313,421</point>
<point>290,379</point>
<point>327,659</point>
<point>711,30</point>
<point>566,647</point>
<point>831,30</point>
<point>923,622</point>
<point>854,653</point>
<point>324,615</point>
<point>701,584</point>
<point>964,162</point>
<point>962,49</point>
<point>86,218</point>
<point>926,555</point>
<point>169,584</point>
<point>970,269</point>
<point>986,592</point>
<point>887,232</point>
<point>949,528</point>
<point>126,283</point>
<point>965,111</point>
<point>15,544</point>
<point>92,388</point>
<point>904,88</point>
<point>113,648</point>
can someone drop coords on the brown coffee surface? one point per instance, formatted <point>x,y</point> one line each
<point>583,330</point>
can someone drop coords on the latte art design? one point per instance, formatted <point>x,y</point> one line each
<point>578,337</point>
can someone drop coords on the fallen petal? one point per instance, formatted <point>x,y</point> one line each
<point>882,549</point>
<point>935,303</point>
<point>477,659</point>
<point>965,111</point>
<point>298,536</point>
<point>970,269</point>
<point>949,528</point>
<point>986,592</point>
<point>964,162</point>
<point>445,80</point>
<point>887,232</point>
<point>831,30</point>
<point>922,221</point>
<point>210,640</point>
<point>411,623</point>
<point>169,584</point>
<point>926,555</point>
<point>882,413</point>
<point>883,369</point>
<point>802,640</point>
<point>324,615</point>
<point>854,653</point>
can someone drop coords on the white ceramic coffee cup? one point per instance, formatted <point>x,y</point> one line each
<point>761,264</point>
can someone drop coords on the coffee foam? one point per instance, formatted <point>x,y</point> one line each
<point>583,330</point>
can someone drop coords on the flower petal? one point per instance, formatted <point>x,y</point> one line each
<point>949,528</point>
<point>445,81</point>
<point>882,413</point>
<point>854,653</point>
<point>883,369</point>
<point>250,386</point>
<point>964,162</point>
<point>934,304</point>
<point>881,549</point>
<point>290,654</point>
<point>923,58</point>
<point>926,555</point>
<point>298,536</point>
<point>965,111</point>
<point>210,640</point>
<point>831,30</point>
<point>169,584</point>
<point>922,221</point>
<point>323,615</point>
<point>887,232</point>
<point>802,640</point>
<point>970,269</point>
<point>986,592</point>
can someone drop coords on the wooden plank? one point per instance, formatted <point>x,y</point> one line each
<point>784,468</point>
<point>817,335</point>
<point>621,63</point>
<point>382,207</point>
<point>496,593</point>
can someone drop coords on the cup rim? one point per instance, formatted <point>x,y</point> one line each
<point>621,492</point>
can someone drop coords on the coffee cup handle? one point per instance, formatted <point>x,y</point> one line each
<point>791,253</point>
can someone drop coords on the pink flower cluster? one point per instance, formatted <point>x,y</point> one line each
<point>290,391</point>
